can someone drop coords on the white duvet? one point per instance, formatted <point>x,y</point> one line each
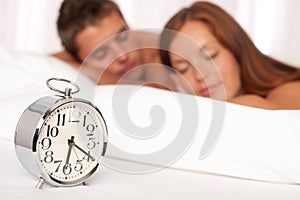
<point>257,153</point>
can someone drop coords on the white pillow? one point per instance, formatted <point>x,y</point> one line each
<point>24,71</point>
<point>254,144</point>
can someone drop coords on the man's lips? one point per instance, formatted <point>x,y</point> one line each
<point>127,68</point>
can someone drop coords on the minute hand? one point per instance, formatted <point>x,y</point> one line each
<point>83,151</point>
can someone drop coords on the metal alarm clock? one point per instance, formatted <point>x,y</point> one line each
<point>61,139</point>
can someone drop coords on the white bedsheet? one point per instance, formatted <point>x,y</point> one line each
<point>17,184</point>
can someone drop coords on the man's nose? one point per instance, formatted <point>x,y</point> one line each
<point>119,52</point>
<point>123,57</point>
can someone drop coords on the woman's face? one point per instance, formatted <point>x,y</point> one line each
<point>223,60</point>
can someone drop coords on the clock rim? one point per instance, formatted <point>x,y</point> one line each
<point>42,114</point>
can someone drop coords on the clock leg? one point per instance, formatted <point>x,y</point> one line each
<point>84,183</point>
<point>40,183</point>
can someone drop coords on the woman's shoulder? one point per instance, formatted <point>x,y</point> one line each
<point>253,100</point>
<point>286,96</point>
<point>286,88</point>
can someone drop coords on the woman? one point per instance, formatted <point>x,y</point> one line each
<point>249,77</point>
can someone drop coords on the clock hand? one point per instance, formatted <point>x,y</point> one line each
<point>81,141</point>
<point>83,151</point>
<point>70,143</point>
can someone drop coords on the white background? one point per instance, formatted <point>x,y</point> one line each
<point>274,25</point>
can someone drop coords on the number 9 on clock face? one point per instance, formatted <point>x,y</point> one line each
<point>70,142</point>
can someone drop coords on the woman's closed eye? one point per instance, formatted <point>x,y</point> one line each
<point>182,67</point>
<point>211,55</point>
<point>214,54</point>
<point>210,50</point>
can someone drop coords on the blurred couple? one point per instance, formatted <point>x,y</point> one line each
<point>202,44</point>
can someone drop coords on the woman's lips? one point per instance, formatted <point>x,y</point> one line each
<point>208,91</point>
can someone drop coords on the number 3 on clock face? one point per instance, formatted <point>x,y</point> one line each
<point>70,142</point>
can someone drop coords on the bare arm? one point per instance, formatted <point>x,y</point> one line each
<point>254,101</point>
<point>286,96</point>
<point>67,57</point>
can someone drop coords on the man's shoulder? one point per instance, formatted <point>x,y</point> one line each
<point>66,57</point>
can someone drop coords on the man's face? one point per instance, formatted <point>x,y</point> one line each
<point>103,48</point>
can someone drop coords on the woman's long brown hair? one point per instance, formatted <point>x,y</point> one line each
<point>259,73</point>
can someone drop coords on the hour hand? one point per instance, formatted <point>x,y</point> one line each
<point>70,143</point>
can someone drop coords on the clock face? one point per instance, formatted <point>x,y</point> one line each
<point>71,142</point>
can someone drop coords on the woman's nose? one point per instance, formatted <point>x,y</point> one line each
<point>198,75</point>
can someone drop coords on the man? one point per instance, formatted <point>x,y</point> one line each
<point>83,25</point>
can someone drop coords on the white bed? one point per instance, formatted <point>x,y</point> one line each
<point>256,157</point>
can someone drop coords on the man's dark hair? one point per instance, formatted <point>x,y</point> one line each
<point>76,15</point>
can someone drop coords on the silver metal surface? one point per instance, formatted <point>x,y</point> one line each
<point>40,183</point>
<point>67,91</point>
<point>28,128</point>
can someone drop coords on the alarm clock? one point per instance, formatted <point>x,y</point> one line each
<point>61,139</point>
